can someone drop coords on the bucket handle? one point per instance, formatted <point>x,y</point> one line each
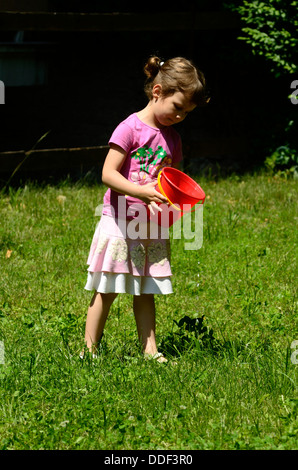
<point>162,192</point>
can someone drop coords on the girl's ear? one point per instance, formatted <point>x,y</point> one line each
<point>156,91</point>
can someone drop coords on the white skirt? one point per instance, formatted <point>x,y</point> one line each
<point>127,283</point>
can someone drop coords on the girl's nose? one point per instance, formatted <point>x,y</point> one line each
<point>180,116</point>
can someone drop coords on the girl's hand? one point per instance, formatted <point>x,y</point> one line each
<point>150,196</point>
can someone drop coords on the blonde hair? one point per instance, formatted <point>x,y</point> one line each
<point>177,74</point>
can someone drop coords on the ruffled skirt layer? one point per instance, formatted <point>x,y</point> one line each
<point>121,264</point>
<point>128,284</point>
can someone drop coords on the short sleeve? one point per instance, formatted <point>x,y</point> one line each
<point>122,136</point>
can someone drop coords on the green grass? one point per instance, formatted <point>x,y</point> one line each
<point>234,382</point>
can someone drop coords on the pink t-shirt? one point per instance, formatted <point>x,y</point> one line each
<point>148,151</point>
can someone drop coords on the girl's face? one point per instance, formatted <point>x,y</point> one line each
<point>171,109</point>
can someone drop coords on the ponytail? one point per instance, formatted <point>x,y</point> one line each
<point>152,67</point>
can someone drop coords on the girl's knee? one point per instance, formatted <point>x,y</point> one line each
<point>108,298</point>
<point>103,297</point>
<point>144,297</point>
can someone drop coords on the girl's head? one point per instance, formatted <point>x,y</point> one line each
<point>175,75</point>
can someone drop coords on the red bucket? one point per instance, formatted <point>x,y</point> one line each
<point>179,189</point>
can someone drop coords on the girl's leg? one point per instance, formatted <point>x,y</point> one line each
<point>96,318</point>
<point>144,311</point>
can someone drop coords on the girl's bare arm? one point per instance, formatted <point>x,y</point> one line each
<point>112,178</point>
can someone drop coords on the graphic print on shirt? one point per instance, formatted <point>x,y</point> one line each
<point>150,163</point>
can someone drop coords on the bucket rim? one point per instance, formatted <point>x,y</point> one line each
<point>197,186</point>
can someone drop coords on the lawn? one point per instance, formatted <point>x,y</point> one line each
<point>228,329</point>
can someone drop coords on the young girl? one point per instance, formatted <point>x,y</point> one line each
<point>140,146</point>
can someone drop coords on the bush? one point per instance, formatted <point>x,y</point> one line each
<point>283,161</point>
<point>271,31</point>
